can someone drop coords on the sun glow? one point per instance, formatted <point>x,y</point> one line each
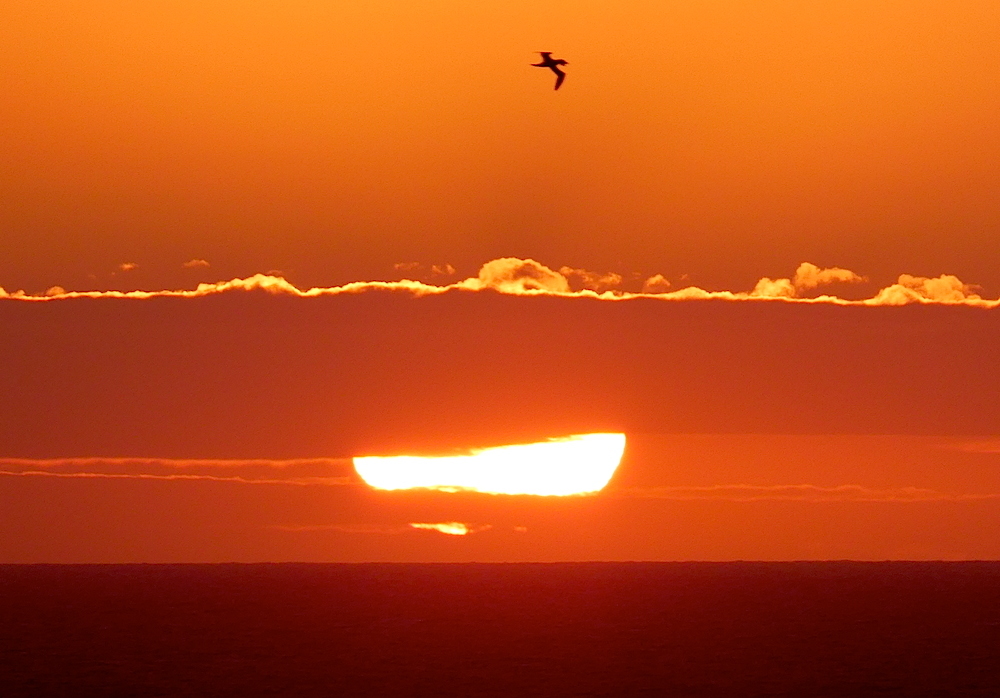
<point>573,465</point>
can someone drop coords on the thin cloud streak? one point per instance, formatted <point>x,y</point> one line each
<point>526,277</point>
<point>989,445</point>
<point>344,528</point>
<point>212,478</point>
<point>450,528</point>
<point>800,493</point>
<point>311,471</point>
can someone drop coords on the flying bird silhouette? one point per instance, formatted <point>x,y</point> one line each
<point>552,64</point>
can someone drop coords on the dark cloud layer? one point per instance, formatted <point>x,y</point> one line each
<point>258,375</point>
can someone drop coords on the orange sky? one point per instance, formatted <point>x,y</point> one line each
<point>724,139</point>
<point>252,374</point>
<point>771,151</point>
<point>758,429</point>
<point>702,497</point>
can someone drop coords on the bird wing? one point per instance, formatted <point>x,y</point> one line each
<point>545,54</point>
<point>560,76</point>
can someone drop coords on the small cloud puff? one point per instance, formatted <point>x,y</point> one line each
<point>422,271</point>
<point>810,276</point>
<point>921,289</point>
<point>128,266</point>
<point>656,284</point>
<point>807,277</point>
<point>518,276</point>
<point>513,275</point>
<point>593,281</point>
<point>194,263</point>
<point>442,270</point>
<point>773,288</point>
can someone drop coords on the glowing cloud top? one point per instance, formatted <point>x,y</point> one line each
<point>573,465</point>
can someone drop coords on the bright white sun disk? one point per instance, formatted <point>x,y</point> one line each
<point>572,465</point>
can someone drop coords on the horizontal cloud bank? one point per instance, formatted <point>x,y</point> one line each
<point>527,277</point>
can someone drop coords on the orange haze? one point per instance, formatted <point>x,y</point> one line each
<point>722,139</point>
<point>757,238</point>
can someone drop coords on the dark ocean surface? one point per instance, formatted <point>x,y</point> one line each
<point>574,629</point>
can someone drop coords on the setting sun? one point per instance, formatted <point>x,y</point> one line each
<point>572,465</point>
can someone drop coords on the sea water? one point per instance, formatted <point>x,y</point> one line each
<point>564,629</point>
